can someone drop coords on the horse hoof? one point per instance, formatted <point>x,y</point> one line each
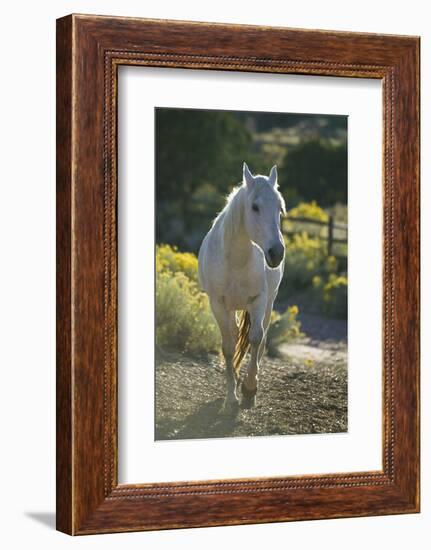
<point>230,407</point>
<point>248,397</point>
<point>249,402</point>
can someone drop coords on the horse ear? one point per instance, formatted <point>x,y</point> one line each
<point>273,176</point>
<point>247,176</point>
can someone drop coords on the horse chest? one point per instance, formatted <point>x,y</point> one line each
<point>238,293</point>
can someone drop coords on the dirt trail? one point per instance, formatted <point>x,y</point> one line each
<point>302,391</point>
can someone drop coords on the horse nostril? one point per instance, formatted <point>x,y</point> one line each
<point>275,254</point>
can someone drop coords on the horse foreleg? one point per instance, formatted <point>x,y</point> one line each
<point>266,322</point>
<point>228,329</point>
<point>257,344</point>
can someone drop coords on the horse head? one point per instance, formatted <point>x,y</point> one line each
<point>263,208</point>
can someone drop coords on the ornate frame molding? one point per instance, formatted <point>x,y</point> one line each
<point>89,498</point>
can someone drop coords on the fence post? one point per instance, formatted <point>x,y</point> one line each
<point>330,234</point>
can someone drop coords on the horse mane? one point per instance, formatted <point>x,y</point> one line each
<point>230,218</point>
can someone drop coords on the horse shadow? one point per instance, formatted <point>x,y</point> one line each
<point>209,420</point>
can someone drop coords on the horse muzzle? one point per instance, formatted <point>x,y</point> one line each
<point>274,255</point>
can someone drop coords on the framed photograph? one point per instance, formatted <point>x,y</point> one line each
<point>237,274</point>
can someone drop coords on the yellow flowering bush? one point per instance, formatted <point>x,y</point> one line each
<point>168,258</point>
<point>333,294</point>
<point>184,321</point>
<point>306,257</point>
<point>311,272</point>
<point>284,327</point>
<point>308,210</point>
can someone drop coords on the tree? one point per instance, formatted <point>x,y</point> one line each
<point>194,148</point>
<point>318,171</point>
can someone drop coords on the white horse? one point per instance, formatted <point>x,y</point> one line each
<point>241,262</point>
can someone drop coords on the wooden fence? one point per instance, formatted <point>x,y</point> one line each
<point>331,235</point>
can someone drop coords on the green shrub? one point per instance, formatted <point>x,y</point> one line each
<point>306,257</point>
<point>308,210</point>
<point>332,294</point>
<point>184,321</point>
<point>284,327</point>
<point>294,223</point>
<point>168,258</point>
<point>315,275</point>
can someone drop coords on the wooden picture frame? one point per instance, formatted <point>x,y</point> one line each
<point>89,51</point>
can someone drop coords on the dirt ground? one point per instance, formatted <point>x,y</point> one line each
<point>302,391</point>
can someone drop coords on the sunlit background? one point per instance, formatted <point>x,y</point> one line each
<point>199,159</point>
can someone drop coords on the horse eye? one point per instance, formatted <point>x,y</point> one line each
<point>255,208</point>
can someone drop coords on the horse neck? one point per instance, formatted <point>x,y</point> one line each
<point>236,242</point>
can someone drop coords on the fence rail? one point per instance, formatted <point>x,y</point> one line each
<point>330,225</point>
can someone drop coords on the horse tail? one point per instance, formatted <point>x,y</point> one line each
<point>242,343</point>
